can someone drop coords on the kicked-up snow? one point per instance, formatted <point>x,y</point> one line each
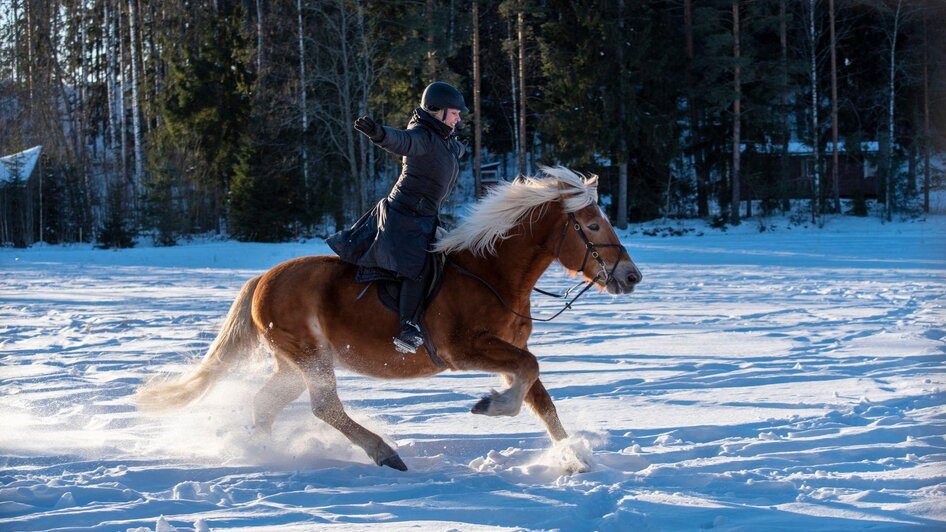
<point>786,379</point>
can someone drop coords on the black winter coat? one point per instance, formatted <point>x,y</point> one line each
<point>396,234</point>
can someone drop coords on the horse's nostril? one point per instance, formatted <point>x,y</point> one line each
<point>633,278</point>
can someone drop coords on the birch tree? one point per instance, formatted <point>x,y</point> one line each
<point>891,98</point>
<point>477,117</point>
<point>514,95</point>
<point>337,76</point>
<point>815,142</point>
<point>520,32</point>
<point>622,112</point>
<point>835,189</point>
<point>737,115</point>
<point>785,133</point>
<point>702,188</point>
<point>303,104</point>
<point>927,133</point>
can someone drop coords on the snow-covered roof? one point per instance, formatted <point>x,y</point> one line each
<point>796,147</point>
<point>19,164</point>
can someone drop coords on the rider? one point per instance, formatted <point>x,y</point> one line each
<point>396,234</point>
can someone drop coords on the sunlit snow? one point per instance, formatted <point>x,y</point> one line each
<point>786,379</point>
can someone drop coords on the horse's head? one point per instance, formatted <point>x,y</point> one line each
<point>589,245</point>
<point>584,242</point>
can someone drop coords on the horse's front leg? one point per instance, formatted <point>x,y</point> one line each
<point>494,355</point>
<point>540,402</point>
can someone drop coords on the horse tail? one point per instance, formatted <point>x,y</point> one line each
<point>237,338</point>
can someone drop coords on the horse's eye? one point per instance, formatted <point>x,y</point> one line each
<point>593,227</point>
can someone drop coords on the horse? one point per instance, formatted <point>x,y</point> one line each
<point>310,313</point>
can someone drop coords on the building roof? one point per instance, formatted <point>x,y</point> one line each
<point>796,147</point>
<point>19,164</point>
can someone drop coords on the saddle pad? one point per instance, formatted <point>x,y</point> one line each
<point>389,291</point>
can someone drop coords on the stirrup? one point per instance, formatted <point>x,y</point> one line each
<point>409,340</point>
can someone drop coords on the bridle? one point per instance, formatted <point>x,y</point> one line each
<point>591,250</point>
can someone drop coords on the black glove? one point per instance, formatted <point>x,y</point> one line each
<point>370,128</point>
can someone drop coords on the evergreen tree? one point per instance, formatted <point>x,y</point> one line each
<point>205,108</point>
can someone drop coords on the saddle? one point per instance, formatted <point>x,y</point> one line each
<point>389,291</point>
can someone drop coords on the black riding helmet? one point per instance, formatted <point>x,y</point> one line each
<point>439,95</point>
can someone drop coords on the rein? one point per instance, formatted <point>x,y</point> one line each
<point>590,250</point>
<point>496,293</point>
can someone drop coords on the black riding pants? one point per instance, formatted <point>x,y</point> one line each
<point>413,292</point>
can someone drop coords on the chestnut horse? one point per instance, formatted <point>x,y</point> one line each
<point>309,313</point>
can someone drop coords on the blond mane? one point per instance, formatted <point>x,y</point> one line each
<point>490,220</point>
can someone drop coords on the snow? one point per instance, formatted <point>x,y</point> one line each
<point>797,147</point>
<point>791,378</point>
<point>19,165</point>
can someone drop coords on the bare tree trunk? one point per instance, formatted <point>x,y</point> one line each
<point>515,93</point>
<point>365,146</point>
<point>702,190</point>
<point>42,212</point>
<point>737,115</point>
<point>54,66</point>
<point>135,104</point>
<point>432,69</point>
<point>816,171</point>
<point>927,136</point>
<point>144,89</point>
<point>83,145</point>
<point>123,91</point>
<point>622,110</point>
<point>783,107</point>
<point>82,85</point>
<point>367,56</point>
<point>154,114</point>
<point>16,49</point>
<point>111,135</point>
<point>477,124</point>
<point>891,89</point>
<point>303,106</point>
<point>520,27</point>
<point>259,39</point>
<point>30,59</point>
<point>346,107</point>
<point>450,29</point>
<point>914,154</point>
<point>835,155</point>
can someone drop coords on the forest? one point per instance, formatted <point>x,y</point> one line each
<point>175,118</point>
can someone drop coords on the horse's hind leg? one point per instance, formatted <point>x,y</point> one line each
<point>320,379</point>
<point>282,388</point>
<point>540,402</point>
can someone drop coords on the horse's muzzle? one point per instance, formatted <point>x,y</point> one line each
<point>624,279</point>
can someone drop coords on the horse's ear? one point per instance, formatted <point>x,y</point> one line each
<point>592,181</point>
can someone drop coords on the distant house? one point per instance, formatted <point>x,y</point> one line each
<point>489,177</point>
<point>17,222</point>
<point>19,166</point>
<point>857,173</point>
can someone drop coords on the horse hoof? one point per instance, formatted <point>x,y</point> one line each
<point>482,407</point>
<point>394,461</point>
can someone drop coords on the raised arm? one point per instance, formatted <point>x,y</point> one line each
<point>409,142</point>
<point>405,142</point>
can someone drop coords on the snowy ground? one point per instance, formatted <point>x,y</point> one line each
<point>786,379</point>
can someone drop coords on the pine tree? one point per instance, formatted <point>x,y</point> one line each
<point>205,108</point>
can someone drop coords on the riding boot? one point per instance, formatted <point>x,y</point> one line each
<point>412,295</point>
